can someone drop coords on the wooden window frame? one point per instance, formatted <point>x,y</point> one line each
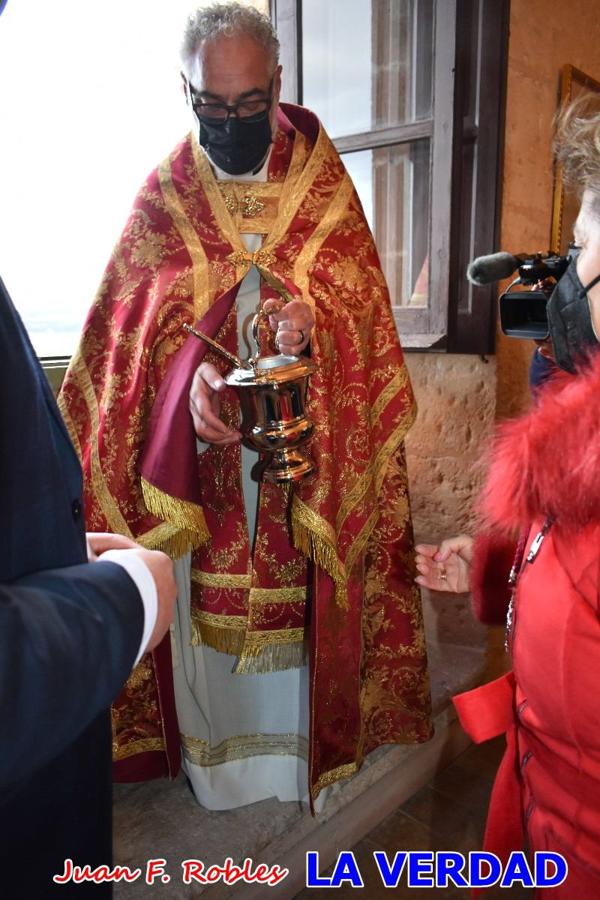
<point>465,130</point>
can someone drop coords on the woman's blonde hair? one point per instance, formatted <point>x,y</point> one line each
<point>577,145</point>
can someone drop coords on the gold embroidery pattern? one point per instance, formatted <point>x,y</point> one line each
<point>230,202</point>
<point>113,514</point>
<point>261,258</point>
<point>222,215</point>
<point>190,238</point>
<point>221,580</point>
<point>398,383</point>
<point>256,641</point>
<point>200,753</point>
<point>278,595</point>
<point>234,623</point>
<point>293,196</point>
<point>251,206</point>
<point>358,490</point>
<point>379,467</point>
<point>144,745</point>
<point>306,257</point>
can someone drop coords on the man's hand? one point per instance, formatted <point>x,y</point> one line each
<point>205,407</point>
<point>161,569</point>
<point>292,323</point>
<point>100,541</point>
<point>446,567</point>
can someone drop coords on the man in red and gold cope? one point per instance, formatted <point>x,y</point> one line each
<point>299,644</point>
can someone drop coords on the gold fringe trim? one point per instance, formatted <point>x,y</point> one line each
<point>157,537</point>
<point>259,652</point>
<point>224,638</point>
<point>187,516</point>
<point>314,547</point>
<point>272,658</point>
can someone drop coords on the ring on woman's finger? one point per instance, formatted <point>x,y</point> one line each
<point>442,574</point>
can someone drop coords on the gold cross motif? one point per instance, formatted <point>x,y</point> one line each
<point>251,205</point>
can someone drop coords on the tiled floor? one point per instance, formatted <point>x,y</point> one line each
<point>447,814</point>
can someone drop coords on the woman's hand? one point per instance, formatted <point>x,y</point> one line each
<point>447,566</point>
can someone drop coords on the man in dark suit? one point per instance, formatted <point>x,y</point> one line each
<point>70,632</point>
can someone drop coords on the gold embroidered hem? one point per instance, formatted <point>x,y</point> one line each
<point>200,753</point>
<point>329,778</point>
<point>143,745</point>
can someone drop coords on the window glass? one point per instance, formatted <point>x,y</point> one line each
<point>393,184</point>
<point>367,64</point>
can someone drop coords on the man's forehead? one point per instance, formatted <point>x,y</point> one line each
<point>231,66</point>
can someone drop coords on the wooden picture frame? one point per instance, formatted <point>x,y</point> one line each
<point>565,204</point>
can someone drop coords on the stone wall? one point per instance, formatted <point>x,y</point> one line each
<point>445,454</point>
<point>456,407</point>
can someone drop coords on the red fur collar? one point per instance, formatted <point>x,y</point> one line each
<point>547,462</point>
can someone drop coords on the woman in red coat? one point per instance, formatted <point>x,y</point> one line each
<point>544,485</point>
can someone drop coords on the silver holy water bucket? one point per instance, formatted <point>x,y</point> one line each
<point>274,422</point>
<point>272,392</point>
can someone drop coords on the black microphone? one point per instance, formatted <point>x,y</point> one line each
<point>495,267</point>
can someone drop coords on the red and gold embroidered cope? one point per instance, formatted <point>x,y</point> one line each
<point>331,569</point>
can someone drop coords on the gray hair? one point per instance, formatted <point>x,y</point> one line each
<point>228,19</point>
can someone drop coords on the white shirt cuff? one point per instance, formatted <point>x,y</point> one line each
<point>140,574</point>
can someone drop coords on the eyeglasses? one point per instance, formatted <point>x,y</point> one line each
<point>220,112</point>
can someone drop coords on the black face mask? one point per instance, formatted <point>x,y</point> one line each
<point>570,321</point>
<point>237,145</point>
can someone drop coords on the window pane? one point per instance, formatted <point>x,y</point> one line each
<point>394,187</point>
<point>367,64</point>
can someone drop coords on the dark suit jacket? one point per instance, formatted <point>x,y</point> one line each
<point>69,633</point>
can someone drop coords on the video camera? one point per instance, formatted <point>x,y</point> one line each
<point>522,313</point>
